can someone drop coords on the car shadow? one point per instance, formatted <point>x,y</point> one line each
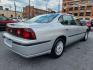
<point>70,46</point>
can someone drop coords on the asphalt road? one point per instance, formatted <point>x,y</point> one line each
<point>78,56</point>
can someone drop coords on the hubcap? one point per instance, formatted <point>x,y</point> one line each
<point>59,48</point>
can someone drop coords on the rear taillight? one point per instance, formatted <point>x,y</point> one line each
<point>28,34</point>
<point>25,33</point>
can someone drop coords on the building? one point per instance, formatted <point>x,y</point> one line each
<point>79,8</point>
<point>9,13</point>
<point>30,11</point>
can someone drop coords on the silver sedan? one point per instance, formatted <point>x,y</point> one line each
<point>43,34</point>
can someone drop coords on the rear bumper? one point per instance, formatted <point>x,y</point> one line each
<point>29,51</point>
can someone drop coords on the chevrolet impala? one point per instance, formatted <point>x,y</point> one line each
<point>44,34</point>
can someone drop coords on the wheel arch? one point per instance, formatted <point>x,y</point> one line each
<point>62,37</point>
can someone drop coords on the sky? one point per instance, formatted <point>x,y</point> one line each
<point>41,4</point>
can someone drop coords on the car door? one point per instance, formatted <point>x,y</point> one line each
<point>71,28</point>
<point>81,28</point>
<point>78,31</point>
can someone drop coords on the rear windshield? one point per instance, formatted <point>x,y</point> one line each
<point>43,18</point>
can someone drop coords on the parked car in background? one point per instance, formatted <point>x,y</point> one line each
<point>86,23</point>
<point>19,19</point>
<point>83,22</point>
<point>87,19</point>
<point>43,34</point>
<point>4,21</point>
<point>15,19</point>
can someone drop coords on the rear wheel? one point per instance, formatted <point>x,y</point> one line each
<point>57,49</point>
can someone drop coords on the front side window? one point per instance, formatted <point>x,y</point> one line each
<point>69,20</point>
<point>43,18</point>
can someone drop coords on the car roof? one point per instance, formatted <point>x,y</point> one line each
<point>59,14</point>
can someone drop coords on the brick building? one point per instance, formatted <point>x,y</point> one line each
<point>79,8</point>
<point>30,11</point>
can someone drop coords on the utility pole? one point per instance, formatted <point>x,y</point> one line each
<point>59,7</point>
<point>15,8</point>
<point>29,9</point>
<point>31,3</point>
<point>10,7</point>
<point>46,4</point>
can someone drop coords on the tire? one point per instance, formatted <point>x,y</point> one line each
<point>57,49</point>
<point>86,36</point>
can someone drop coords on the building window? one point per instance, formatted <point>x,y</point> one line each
<point>89,7</point>
<point>82,8</point>
<point>88,13</point>
<point>6,8</point>
<point>1,7</point>
<point>76,8</point>
<point>70,13</point>
<point>64,4</point>
<point>75,14</point>
<point>70,9</point>
<point>87,18</point>
<point>81,14</point>
<point>70,3</point>
<point>64,10</point>
<point>83,1</point>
